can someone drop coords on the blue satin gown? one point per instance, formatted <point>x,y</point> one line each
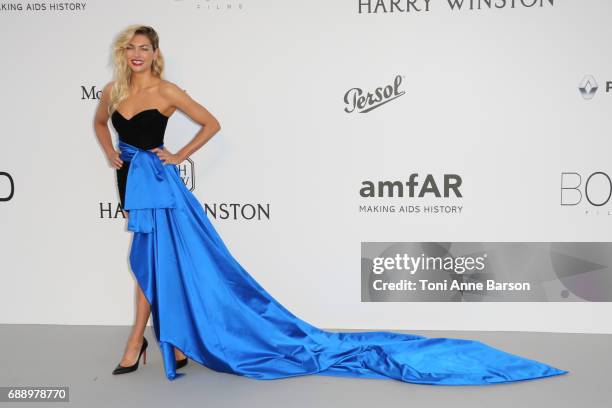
<point>207,305</point>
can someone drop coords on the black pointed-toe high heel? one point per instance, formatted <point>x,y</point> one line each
<point>143,352</point>
<point>181,363</point>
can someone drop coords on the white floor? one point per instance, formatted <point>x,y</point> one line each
<point>83,357</point>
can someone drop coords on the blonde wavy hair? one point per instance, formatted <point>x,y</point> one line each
<point>122,72</point>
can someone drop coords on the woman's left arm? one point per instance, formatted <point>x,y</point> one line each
<point>182,101</point>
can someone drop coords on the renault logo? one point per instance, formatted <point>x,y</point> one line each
<point>588,86</point>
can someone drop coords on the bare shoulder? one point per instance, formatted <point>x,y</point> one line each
<point>104,103</point>
<point>108,87</point>
<point>174,94</point>
<point>106,91</point>
<point>169,89</point>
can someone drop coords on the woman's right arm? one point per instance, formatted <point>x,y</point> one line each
<point>101,128</point>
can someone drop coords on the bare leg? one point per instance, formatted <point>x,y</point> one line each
<point>132,348</point>
<point>143,311</point>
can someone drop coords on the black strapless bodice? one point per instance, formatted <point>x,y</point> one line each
<point>144,130</point>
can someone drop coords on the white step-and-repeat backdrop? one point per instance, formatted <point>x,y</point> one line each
<point>360,140</point>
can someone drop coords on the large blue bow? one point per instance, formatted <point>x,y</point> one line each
<point>147,188</point>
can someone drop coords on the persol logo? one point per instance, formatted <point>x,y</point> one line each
<point>357,100</point>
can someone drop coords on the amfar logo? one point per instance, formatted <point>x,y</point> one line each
<point>11,189</point>
<point>450,183</point>
<point>597,188</point>
<point>354,98</point>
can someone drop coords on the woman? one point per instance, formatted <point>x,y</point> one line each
<point>138,69</point>
<point>205,305</point>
